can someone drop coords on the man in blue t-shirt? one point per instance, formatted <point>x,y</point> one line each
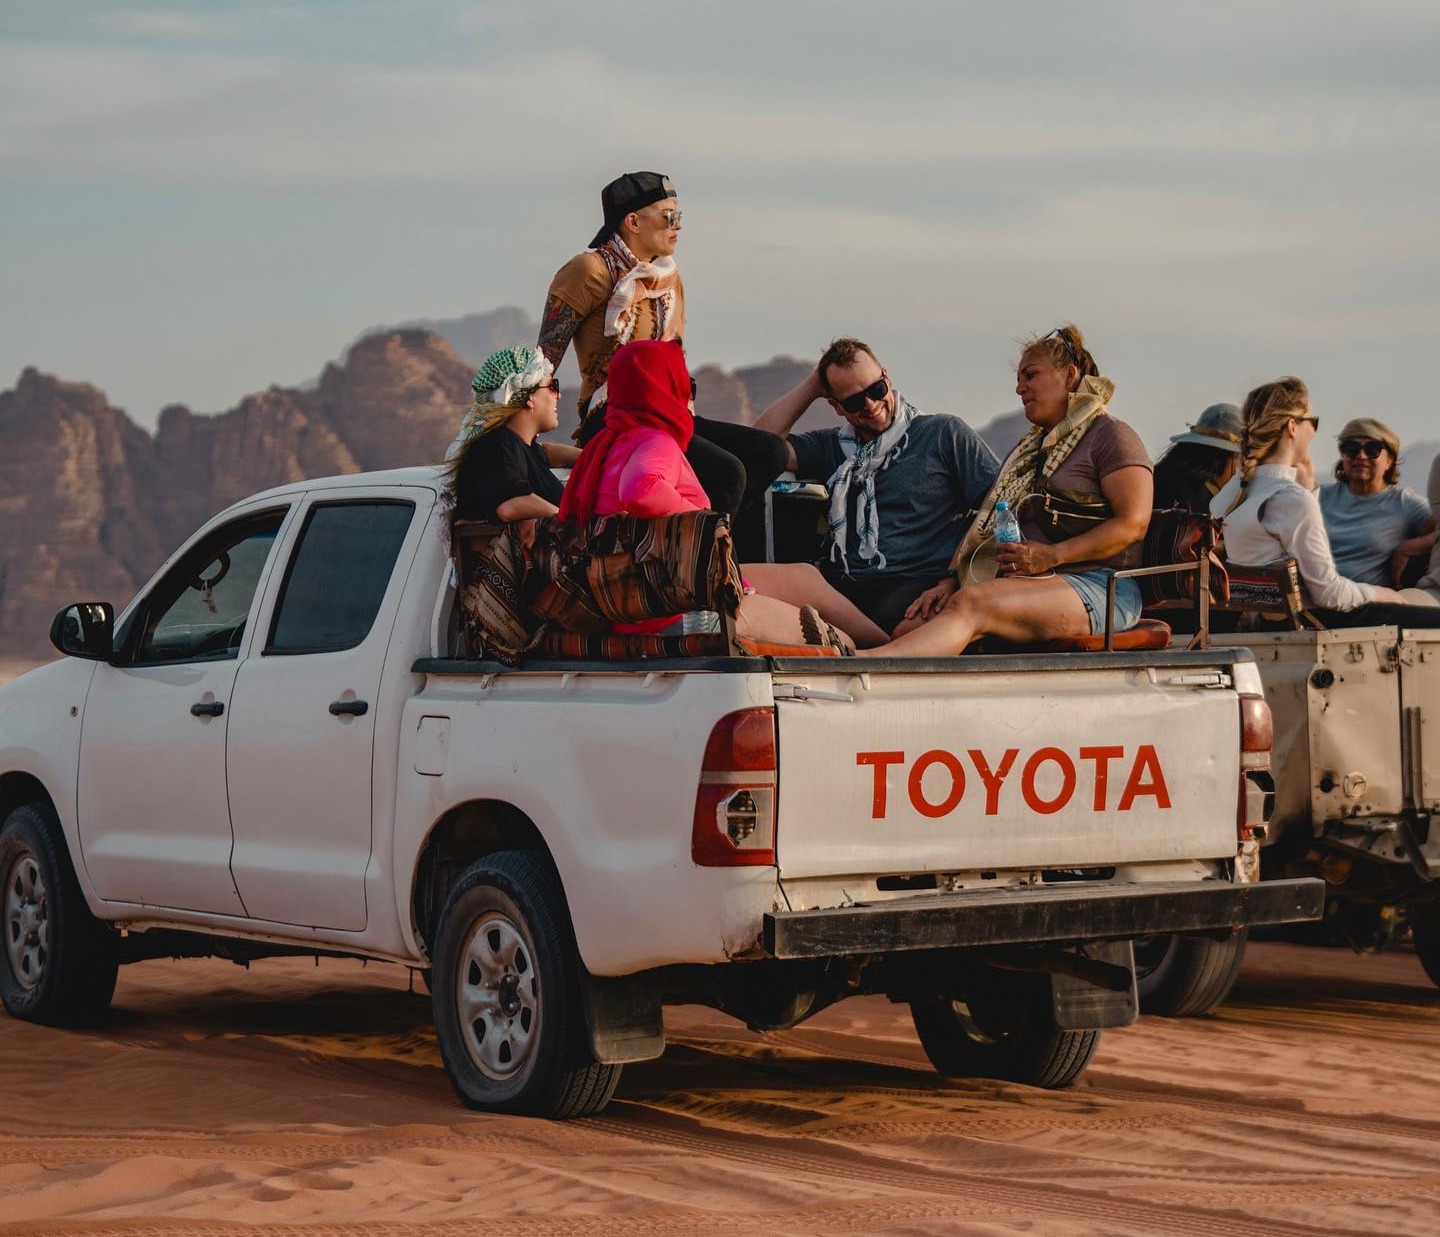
<point>903,484</point>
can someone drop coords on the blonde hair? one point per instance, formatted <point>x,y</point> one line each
<point>485,418</point>
<point>1269,408</point>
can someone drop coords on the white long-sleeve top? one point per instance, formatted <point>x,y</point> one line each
<point>1281,519</point>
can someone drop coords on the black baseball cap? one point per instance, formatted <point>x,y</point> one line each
<point>633,191</point>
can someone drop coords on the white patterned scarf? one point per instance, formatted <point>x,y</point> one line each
<point>636,281</point>
<point>863,460</point>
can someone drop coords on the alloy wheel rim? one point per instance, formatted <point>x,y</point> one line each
<point>497,995</point>
<point>27,921</point>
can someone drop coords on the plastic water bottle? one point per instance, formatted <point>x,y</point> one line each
<point>1007,527</point>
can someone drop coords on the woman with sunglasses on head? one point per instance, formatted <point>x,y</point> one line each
<point>1080,481</point>
<point>498,468</point>
<point>1375,524</point>
<point>636,465</point>
<point>1270,513</point>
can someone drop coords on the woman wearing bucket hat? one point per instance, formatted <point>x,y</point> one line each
<point>1200,461</point>
<point>1376,525</point>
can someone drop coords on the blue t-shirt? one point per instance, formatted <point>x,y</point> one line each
<point>1364,529</point>
<point>922,498</point>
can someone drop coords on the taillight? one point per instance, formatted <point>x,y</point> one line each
<point>1257,787</point>
<point>1257,732</point>
<point>734,823</point>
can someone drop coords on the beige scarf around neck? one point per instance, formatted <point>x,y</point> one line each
<point>1019,473</point>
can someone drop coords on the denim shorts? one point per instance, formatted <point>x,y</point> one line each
<point>1091,587</point>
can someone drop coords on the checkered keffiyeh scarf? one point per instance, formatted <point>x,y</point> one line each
<point>863,460</point>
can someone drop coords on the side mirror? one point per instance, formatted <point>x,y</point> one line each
<point>86,629</point>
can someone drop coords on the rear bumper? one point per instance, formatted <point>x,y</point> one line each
<point>1036,915</point>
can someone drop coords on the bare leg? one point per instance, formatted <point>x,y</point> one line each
<point>1018,609</point>
<point>768,619</point>
<point>801,584</point>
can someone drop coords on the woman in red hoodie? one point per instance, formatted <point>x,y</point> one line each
<point>636,466</point>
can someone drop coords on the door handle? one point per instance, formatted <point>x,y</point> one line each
<point>349,708</point>
<point>207,708</point>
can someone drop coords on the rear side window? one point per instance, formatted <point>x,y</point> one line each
<point>338,576</point>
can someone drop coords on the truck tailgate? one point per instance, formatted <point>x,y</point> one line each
<point>964,769</point>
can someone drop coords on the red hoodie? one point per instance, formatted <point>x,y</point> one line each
<point>636,464</point>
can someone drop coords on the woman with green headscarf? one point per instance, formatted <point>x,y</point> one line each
<point>498,469</point>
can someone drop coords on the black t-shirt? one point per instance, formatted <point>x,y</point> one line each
<point>499,467</point>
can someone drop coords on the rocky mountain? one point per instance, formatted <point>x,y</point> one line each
<point>91,504</point>
<point>740,395</point>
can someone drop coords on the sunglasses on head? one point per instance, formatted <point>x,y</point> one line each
<point>876,391</point>
<point>1350,448</point>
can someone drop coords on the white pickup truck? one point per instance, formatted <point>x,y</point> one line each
<point>273,752</point>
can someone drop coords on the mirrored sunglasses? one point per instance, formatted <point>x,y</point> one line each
<point>876,391</point>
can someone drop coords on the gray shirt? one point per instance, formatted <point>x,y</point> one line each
<point>1364,529</point>
<point>922,497</point>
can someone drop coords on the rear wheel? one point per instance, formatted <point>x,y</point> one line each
<point>1425,929</point>
<point>506,992</point>
<point>1182,976</point>
<point>58,963</point>
<point>1005,1030</point>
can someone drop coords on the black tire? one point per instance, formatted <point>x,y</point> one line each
<point>57,961</point>
<point>1183,976</point>
<point>505,955</point>
<point>1425,931</point>
<point>1004,1030</point>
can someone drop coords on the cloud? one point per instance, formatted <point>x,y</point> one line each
<point>165,24</point>
<point>1257,177</point>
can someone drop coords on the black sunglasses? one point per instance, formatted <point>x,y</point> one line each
<point>1350,449</point>
<point>553,385</point>
<point>694,388</point>
<point>876,391</point>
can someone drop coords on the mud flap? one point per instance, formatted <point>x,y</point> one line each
<point>1099,991</point>
<point>624,1019</point>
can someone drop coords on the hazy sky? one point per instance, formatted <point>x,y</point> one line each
<point>202,198</point>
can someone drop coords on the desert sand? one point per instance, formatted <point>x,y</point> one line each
<point>308,1101</point>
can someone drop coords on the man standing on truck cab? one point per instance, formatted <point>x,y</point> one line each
<point>626,286</point>
<point>901,482</point>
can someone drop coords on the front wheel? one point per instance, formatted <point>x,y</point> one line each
<point>1006,1030</point>
<point>1182,976</point>
<point>58,964</point>
<point>506,994</point>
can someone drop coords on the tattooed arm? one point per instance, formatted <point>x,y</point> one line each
<point>557,328</point>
